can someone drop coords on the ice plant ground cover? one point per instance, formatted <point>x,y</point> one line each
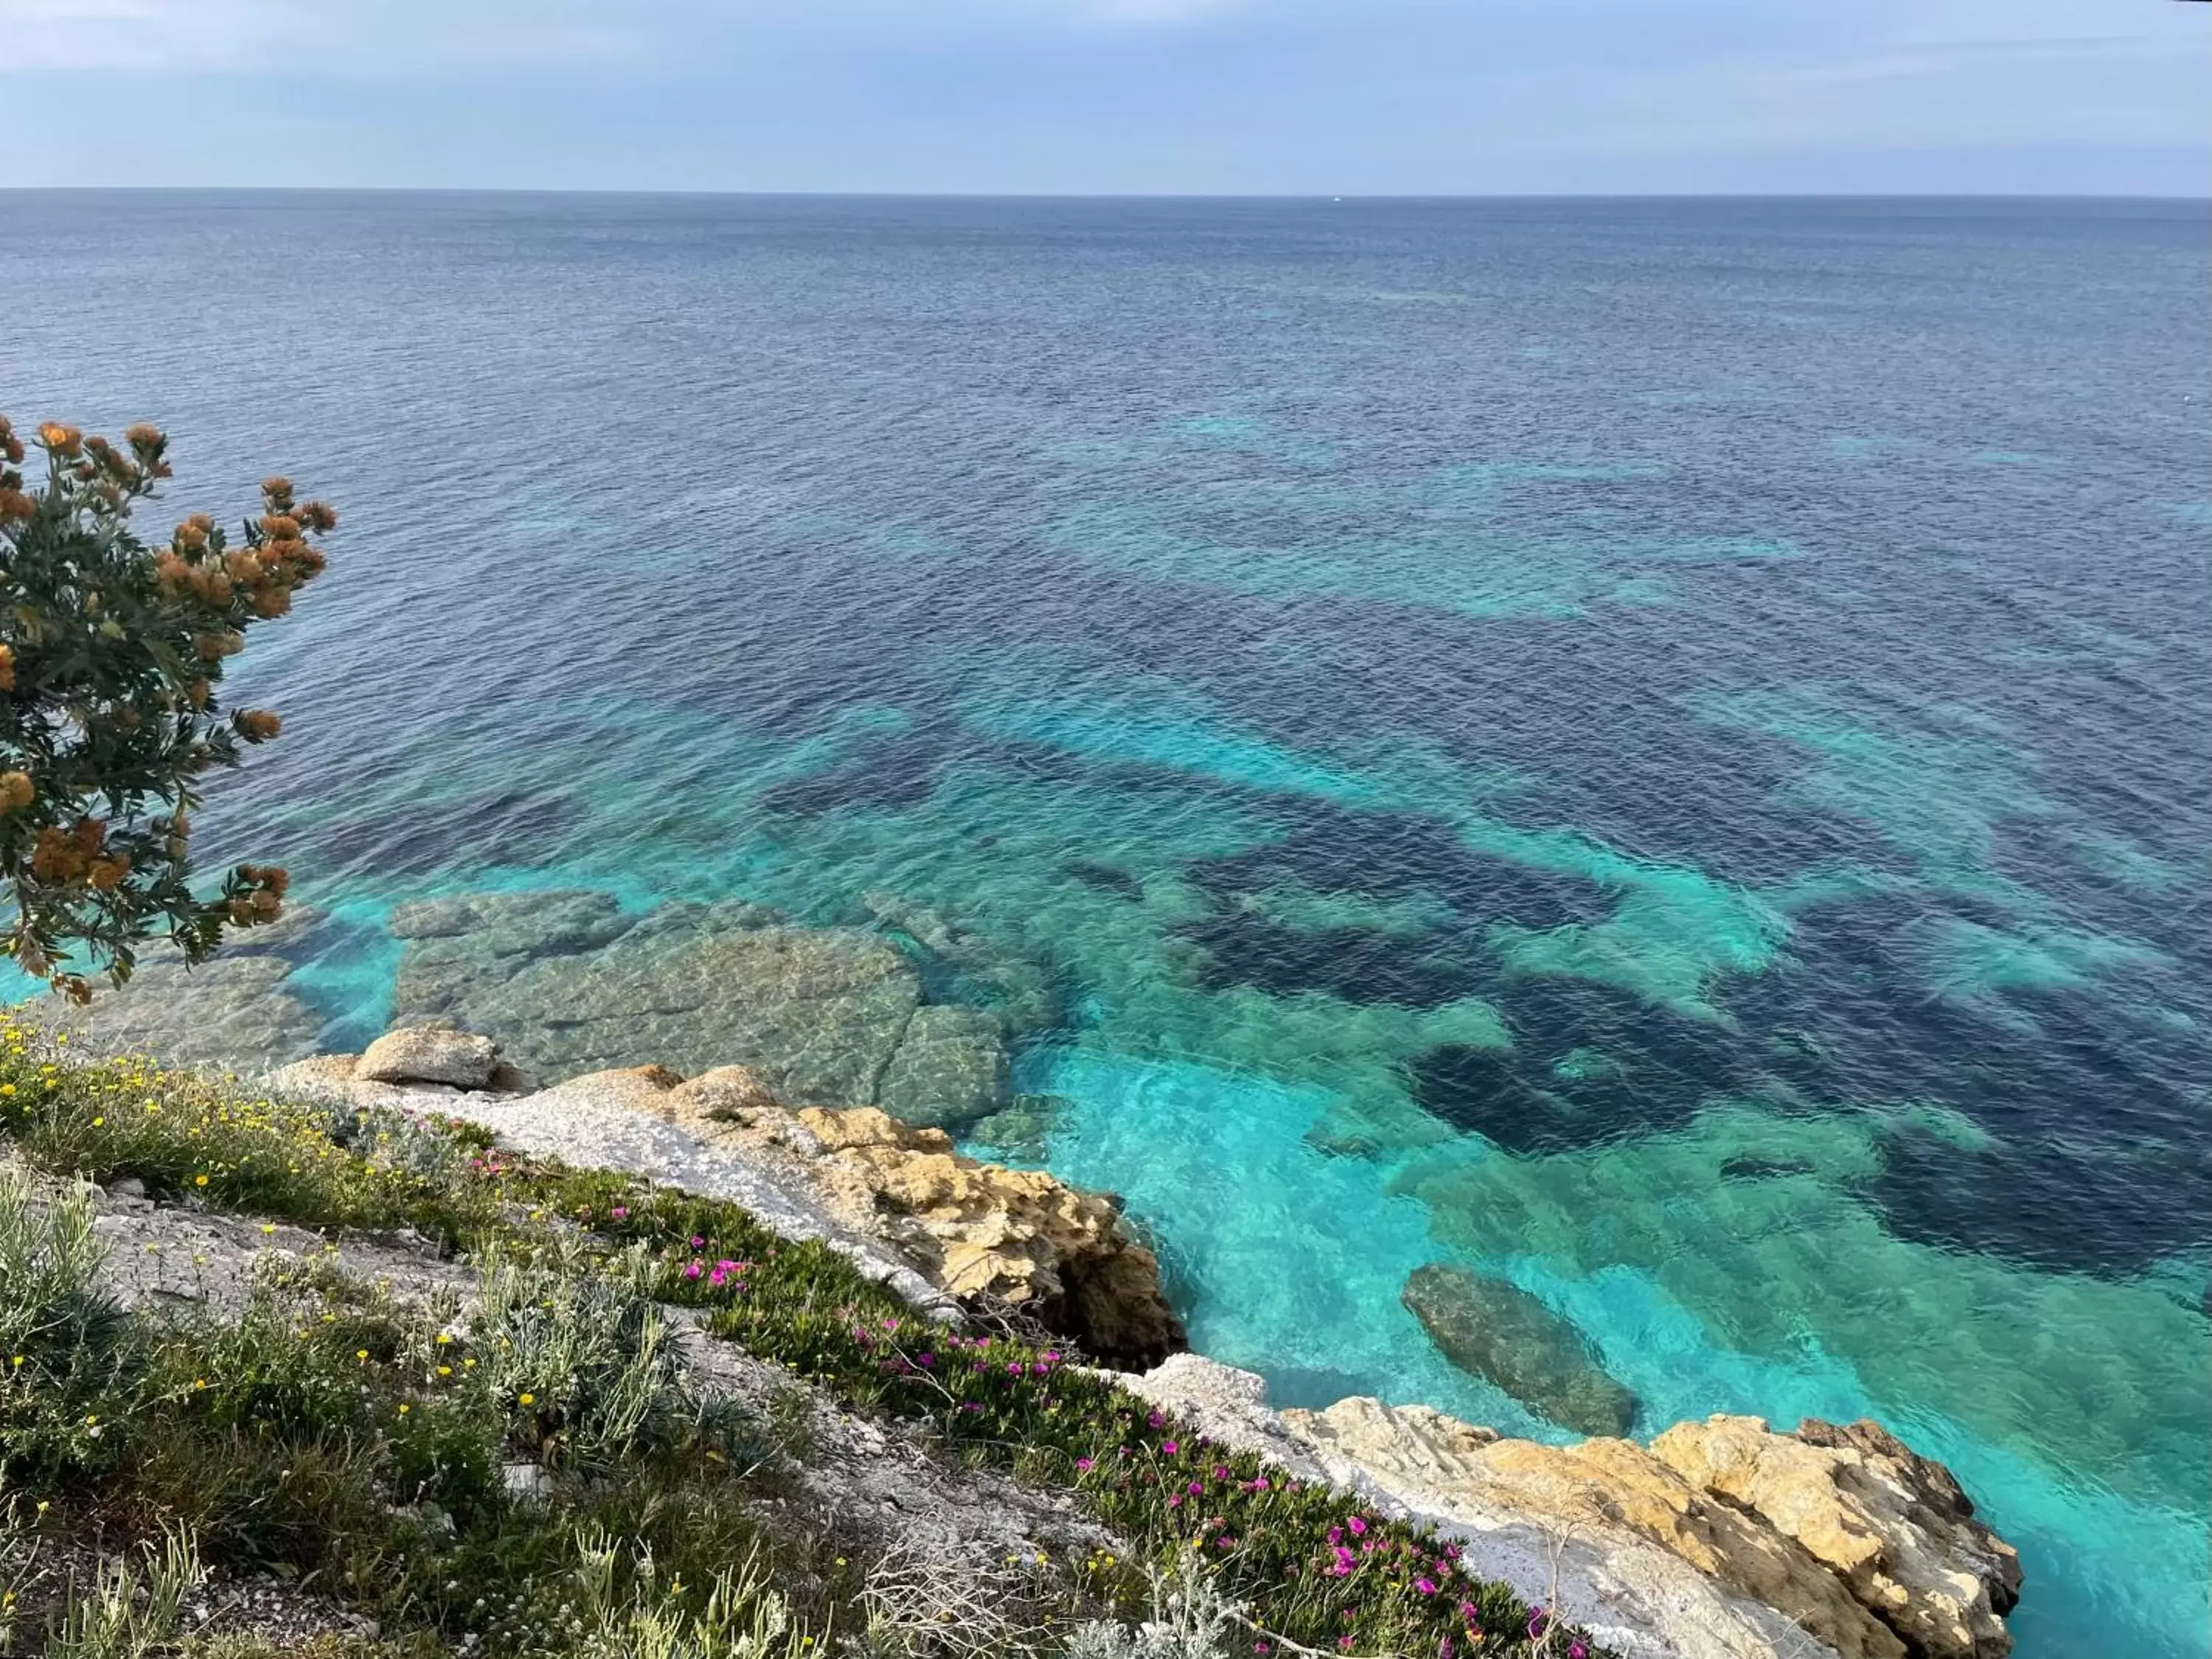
<point>354,1444</point>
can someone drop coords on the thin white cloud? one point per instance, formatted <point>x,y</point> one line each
<point>200,36</point>
<point>399,36</point>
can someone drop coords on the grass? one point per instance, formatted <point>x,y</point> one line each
<point>358,1447</point>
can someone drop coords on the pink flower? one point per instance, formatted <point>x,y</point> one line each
<point>1195,1489</point>
<point>1336,1534</point>
<point>1085,1464</point>
<point>698,1243</point>
<point>1157,1420</point>
<point>1169,1447</point>
<point>1426,1586</point>
<point>621,1212</point>
<point>1344,1644</point>
<point>925,1360</point>
<point>692,1271</point>
<point>1175,1502</point>
<point>1357,1525</point>
<point>1578,1651</point>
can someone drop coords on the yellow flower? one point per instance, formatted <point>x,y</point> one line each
<point>199,1181</point>
<point>444,1370</point>
<point>403,1410</point>
<point>529,1400</point>
<point>362,1354</point>
<point>7,1088</point>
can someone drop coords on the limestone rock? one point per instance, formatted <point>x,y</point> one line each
<point>1230,1404</point>
<point>1016,1239</point>
<point>421,1054</point>
<point>1497,1331</point>
<point>1610,1494</point>
<point>1894,1527</point>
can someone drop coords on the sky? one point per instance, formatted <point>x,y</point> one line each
<point>1396,97</point>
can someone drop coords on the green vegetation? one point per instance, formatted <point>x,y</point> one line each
<point>365,1448</point>
<point>110,653</point>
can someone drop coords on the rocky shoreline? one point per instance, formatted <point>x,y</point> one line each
<point>815,1076</point>
<point>1719,1540</point>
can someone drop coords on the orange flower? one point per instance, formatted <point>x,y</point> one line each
<point>15,504</point>
<point>257,725</point>
<point>55,858</point>
<point>7,656</point>
<point>143,437</point>
<point>277,492</point>
<point>65,440</point>
<point>106,874</point>
<point>273,876</point>
<point>15,791</point>
<point>319,516</point>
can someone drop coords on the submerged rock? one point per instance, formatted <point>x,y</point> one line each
<point>950,1068</point>
<point>569,984</point>
<point>232,1011</point>
<point>1497,1331</point>
<point>1023,1130</point>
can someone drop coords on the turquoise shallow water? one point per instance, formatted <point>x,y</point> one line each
<point>1658,750</point>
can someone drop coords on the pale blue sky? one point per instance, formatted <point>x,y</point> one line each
<point>1327,96</point>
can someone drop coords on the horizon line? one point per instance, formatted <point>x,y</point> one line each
<point>1108,195</point>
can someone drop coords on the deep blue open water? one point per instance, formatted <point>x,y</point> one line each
<point>1660,750</point>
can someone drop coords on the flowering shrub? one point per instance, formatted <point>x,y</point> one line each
<point>110,655</point>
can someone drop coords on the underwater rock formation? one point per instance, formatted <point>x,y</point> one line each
<point>569,983</point>
<point>1499,1331</point>
<point>232,1010</point>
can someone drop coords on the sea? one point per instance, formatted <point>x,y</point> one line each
<point>1656,750</point>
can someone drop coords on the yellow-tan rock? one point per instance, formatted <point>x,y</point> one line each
<point>1596,1490</point>
<point>1894,1527</point>
<point>1016,1239</point>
